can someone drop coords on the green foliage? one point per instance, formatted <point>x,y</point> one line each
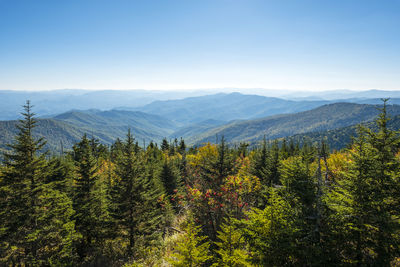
<point>327,117</point>
<point>134,196</point>
<point>366,201</point>
<point>88,201</point>
<point>231,247</point>
<point>36,226</point>
<point>287,203</point>
<point>271,232</point>
<point>192,249</point>
<point>298,182</point>
<point>168,178</point>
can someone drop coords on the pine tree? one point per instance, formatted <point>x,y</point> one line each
<point>271,233</point>
<point>192,249</point>
<point>260,164</point>
<point>87,201</point>
<point>182,147</point>
<point>164,145</point>
<point>168,178</point>
<point>134,198</point>
<point>127,193</point>
<point>231,246</point>
<point>36,226</point>
<point>274,175</point>
<point>366,201</point>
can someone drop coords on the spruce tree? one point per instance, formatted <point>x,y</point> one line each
<point>164,145</point>
<point>126,193</point>
<point>192,249</point>
<point>134,209</point>
<point>271,233</point>
<point>36,226</point>
<point>366,201</point>
<point>231,246</point>
<point>168,178</point>
<point>87,201</point>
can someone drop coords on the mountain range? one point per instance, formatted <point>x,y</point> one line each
<point>53,102</point>
<point>200,119</point>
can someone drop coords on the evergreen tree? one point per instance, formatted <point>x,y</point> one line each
<point>88,201</point>
<point>270,233</point>
<point>231,246</point>
<point>366,201</point>
<point>300,189</point>
<point>168,178</point>
<point>36,226</point>
<point>164,145</point>
<point>274,175</point>
<point>192,249</point>
<point>134,198</point>
<point>260,163</point>
<point>182,147</point>
<point>127,193</point>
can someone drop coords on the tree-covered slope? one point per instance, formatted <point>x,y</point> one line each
<point>68,128</point>
<point>141,122</point>
<point>196,128</point>
<point>341,137</point>
<point>57,134</point>
<point>327,117</point>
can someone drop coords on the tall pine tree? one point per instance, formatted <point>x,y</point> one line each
<point>36,226</point>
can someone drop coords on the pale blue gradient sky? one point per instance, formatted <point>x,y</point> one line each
<point>169,44</point>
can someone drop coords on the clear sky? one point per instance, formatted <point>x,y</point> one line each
<point>193,44</point>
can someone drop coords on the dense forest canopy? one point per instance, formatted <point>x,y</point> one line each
<point>277,204</point>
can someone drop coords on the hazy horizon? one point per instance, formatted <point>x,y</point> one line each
<point>222,90</point>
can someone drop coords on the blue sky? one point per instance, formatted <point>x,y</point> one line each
<point>188,44</point>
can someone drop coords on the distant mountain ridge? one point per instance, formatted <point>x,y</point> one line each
<point>225,107</point>
<point>58,101</point>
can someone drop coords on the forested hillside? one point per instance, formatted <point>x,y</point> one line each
<point>58,134</point>
<point>340,138</point>
<point>64,130</point>
<point>115,123</point>
<point>169,205</point>
<point>327,117</point>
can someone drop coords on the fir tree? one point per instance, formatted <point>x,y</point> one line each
<point>231,246</point>
<point>182,147</point>
<point>168,178</point>
<point>164,145</point>
<point>192,249</point>
<point>88,201</point>
<point>270,233</point>
<point>36,226</point>
<point>366,201</point>
<point>134,198</point>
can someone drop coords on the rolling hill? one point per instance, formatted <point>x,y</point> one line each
<point>68,128</point>
<point>324,118</point>
<point>339,138</point>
